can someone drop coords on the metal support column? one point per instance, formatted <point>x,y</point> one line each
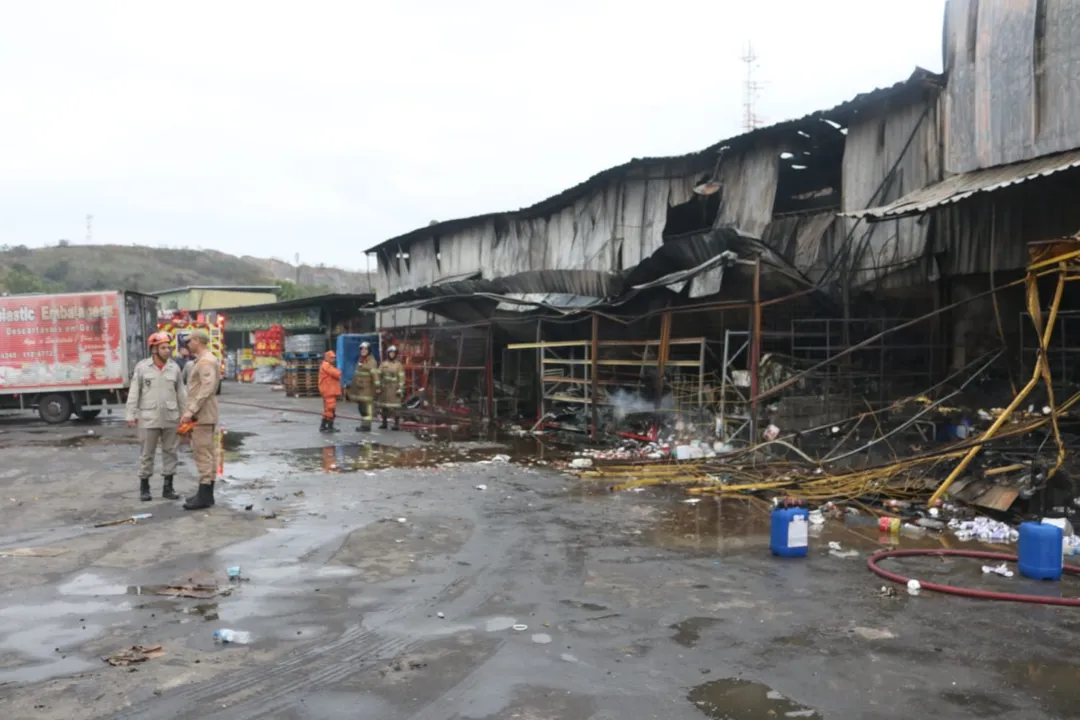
<point>594,382</point>
<point>755,352</point>
<point>662,354</point>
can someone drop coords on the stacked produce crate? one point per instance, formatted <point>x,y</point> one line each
<point>303,356</point>
<point>245,360</point>
<point>268,348</point>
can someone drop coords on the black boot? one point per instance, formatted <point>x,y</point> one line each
<point>322,425</point>
<point>330,427</point>
<point>383,425</point>
<point>202,499</point>
<point>167,491</point>
<point>364,427</point>
<point>144,490</point>
<point>213,483</point>
<point>397,423</point>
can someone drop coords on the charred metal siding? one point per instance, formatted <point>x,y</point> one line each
<point>1014,81</point>
<point>749,184</point>
<point>888,155</point>
<point>611,228</point>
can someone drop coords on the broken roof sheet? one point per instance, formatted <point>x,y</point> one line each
<point>842,114</point>
<point>552,289</point>
<point>963,186</point>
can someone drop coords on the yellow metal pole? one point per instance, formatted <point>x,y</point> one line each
<point>1033,303</point>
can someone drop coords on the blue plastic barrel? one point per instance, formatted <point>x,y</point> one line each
<point>1039,553</point>
<point>789,532</point>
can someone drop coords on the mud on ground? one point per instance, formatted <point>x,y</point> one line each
<point>381,583</point>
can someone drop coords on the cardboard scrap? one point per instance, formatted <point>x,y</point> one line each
<point>33,552</point>
<point>198,592</point>
<point>136,654</point>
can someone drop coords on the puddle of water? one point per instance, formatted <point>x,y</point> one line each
<point>1056,684</point>
<point>354,457</point>
<point>733,699</point>
<point>688,632</point>
<point>720,524</point>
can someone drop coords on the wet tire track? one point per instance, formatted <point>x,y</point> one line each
<point>272,687</point>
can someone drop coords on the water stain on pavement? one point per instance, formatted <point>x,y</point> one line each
<point>688,632</point>
<point>232,440</point>
<point>734,699</point>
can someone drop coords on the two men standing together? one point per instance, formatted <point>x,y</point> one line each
<point>160,405</point>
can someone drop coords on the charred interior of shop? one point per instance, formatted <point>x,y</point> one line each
<point>871,300</point>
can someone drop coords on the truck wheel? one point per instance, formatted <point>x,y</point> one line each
<point>88,414</point>
<point>55,409</point>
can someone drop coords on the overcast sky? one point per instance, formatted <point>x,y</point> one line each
<point>321,128</point>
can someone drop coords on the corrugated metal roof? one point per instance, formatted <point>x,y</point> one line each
<point>526,302</point>
<point>842,114</point>
<point>960,187</point>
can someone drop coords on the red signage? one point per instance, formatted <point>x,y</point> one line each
<point>61,341</point>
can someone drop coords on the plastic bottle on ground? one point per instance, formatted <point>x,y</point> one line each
<point>225,636</point>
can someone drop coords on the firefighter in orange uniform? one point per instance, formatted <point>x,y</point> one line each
<point>329,388</point>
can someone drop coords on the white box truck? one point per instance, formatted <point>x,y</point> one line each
<point>72,353</point>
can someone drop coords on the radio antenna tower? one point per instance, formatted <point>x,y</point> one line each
<point>89,228</point>
<point>751,88</point>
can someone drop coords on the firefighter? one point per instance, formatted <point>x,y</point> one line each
<point>365,385</point>
<point>329,388</point>
<point>202,409</point>
<point>392,380</point>
<point>154,404</point>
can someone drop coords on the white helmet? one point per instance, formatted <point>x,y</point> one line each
<point>391,349</point>
<point>365,345</point>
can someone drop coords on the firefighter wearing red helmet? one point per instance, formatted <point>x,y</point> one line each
<point>154,403</point>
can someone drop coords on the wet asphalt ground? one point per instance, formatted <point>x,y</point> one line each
<point>390,577</point>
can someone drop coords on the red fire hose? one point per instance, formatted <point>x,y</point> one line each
<point>872,563</point>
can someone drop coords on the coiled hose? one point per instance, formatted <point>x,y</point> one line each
<point>872,563</point>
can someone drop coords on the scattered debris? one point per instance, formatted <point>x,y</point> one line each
<point>194,591</point>
<point>126,521</point>
<point>481,487</point>
<point>39,552</point>
<point>581,463</point>
<point>1002,570</point>
<point>135,654</point>
<point>913,587</point>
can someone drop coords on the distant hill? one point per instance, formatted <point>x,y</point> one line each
<point>100,267</point>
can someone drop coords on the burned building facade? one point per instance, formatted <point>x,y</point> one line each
<point>837,227</point>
